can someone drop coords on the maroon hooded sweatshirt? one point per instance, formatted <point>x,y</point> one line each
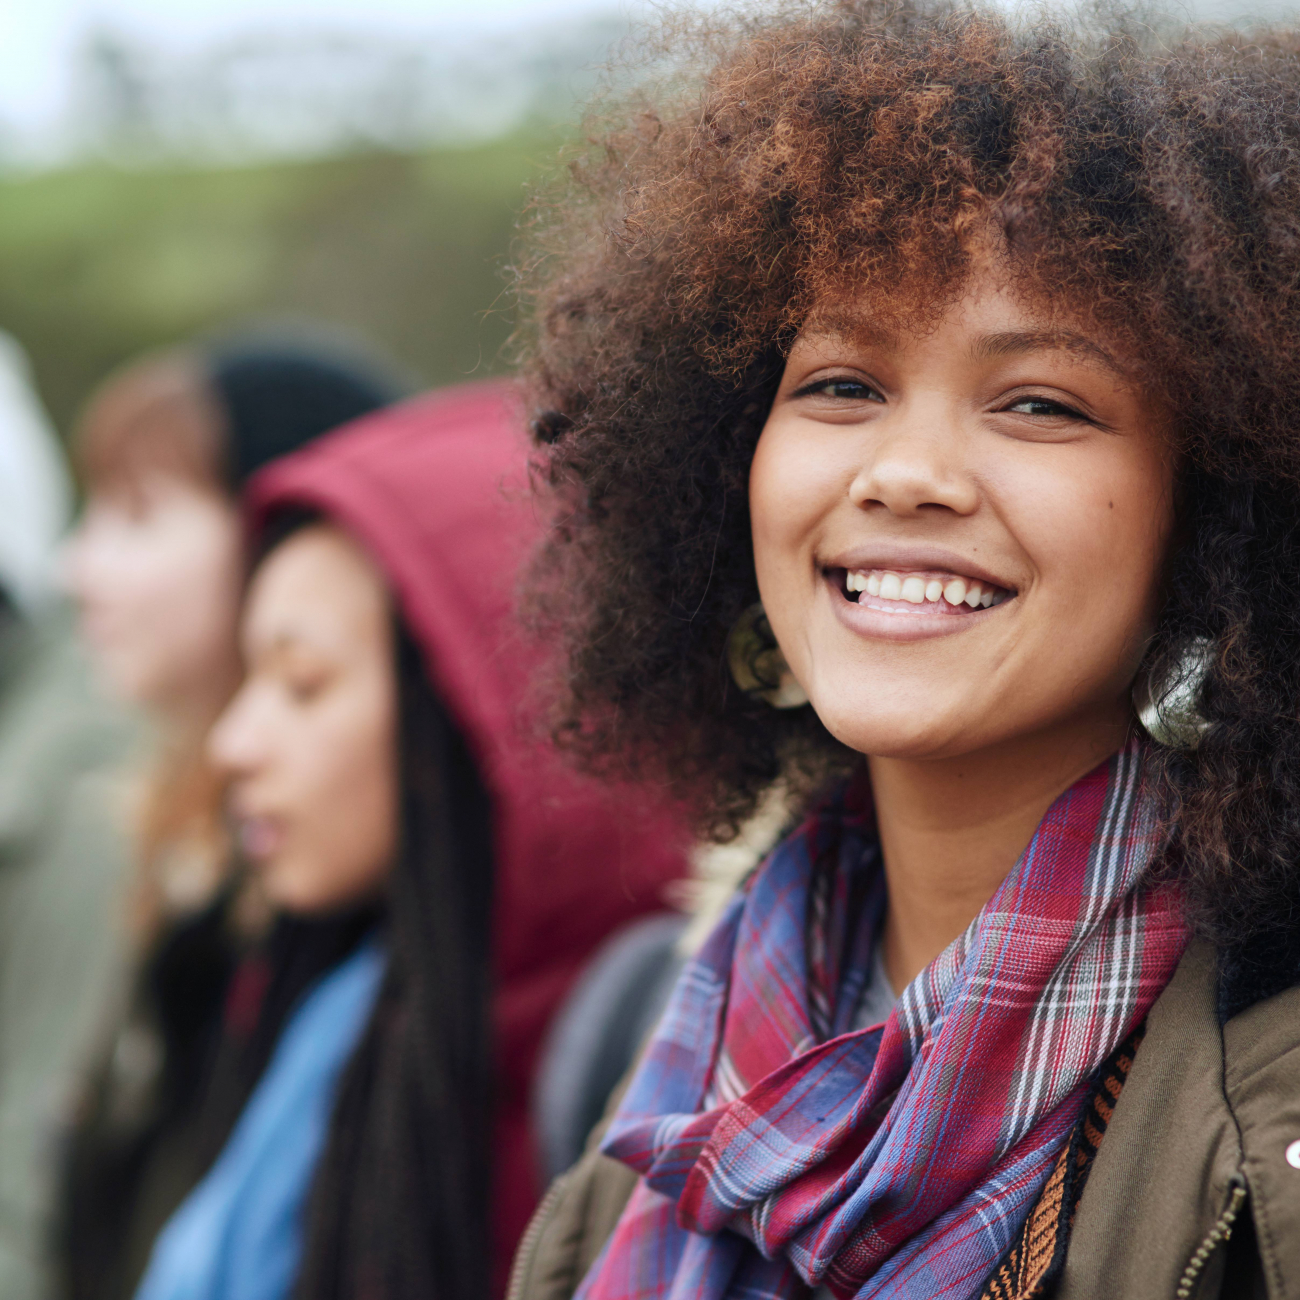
<point>436,490</point>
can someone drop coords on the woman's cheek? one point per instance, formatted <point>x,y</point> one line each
<point>351,822</point>
<point>792,486</point>
<point>1095,534</point>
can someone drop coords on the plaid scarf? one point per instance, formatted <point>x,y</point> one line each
<point>780,1149</point>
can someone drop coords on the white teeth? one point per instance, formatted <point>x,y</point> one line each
<point>918,591</point>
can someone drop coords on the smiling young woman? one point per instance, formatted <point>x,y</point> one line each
<point>934,373</point>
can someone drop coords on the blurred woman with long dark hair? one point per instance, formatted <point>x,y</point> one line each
<point>384,769</point>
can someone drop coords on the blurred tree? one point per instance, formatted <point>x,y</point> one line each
<point>98,263</point>
<point>117,93</point>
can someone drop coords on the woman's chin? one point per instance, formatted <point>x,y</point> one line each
<point>304,890</point>
<point>289,887</point>
<point>898,731</point>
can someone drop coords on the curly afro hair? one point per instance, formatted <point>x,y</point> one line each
<point>850,151</point>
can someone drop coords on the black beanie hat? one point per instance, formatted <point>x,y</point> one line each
<point>279,395</point>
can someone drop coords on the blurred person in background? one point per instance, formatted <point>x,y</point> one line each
<point>383,768</point>
<point>61,851</point>
<point>156,565</point>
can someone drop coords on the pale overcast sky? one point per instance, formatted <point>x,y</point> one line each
<point>39,37</point>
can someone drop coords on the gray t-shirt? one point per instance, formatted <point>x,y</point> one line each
<point>877,999</point>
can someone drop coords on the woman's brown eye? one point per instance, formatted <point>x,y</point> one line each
<point>1043,407</point>
<point>852,390</point>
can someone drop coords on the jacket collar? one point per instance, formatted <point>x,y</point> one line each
<point>1251,972</point>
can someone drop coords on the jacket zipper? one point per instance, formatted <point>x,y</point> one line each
<point>528,1242</point>
<point>1217,1236</point>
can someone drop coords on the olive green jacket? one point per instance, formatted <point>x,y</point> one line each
<point>1195,1190</point>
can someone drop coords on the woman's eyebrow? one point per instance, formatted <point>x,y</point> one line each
<point>1011,342</point>
<point>846,330</point>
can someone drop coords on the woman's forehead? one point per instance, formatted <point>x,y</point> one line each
<point>318,588</point>
<point>997,325</point>
<point>156,418</point>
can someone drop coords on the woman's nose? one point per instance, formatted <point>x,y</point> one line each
<point>232,744</point>
<point>914,463</point>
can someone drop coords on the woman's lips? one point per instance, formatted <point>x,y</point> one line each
<point>260,838</point>
<point>911,605</point>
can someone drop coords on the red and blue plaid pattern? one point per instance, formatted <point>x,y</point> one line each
<point>898,1161</point>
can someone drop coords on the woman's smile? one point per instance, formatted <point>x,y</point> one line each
<point>947,592</point>
<point>912,594</point>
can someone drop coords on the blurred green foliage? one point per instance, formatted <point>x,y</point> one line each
<point>408,250</point>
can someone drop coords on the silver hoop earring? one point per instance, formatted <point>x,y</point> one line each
<point>1169,710</point>
<point>757,664</point>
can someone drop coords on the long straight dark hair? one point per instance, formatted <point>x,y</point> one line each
<point>399,1206</point>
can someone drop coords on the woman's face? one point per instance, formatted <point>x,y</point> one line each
<point>309,741</point>
<point>156,571</point>
<point>959,536</point>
